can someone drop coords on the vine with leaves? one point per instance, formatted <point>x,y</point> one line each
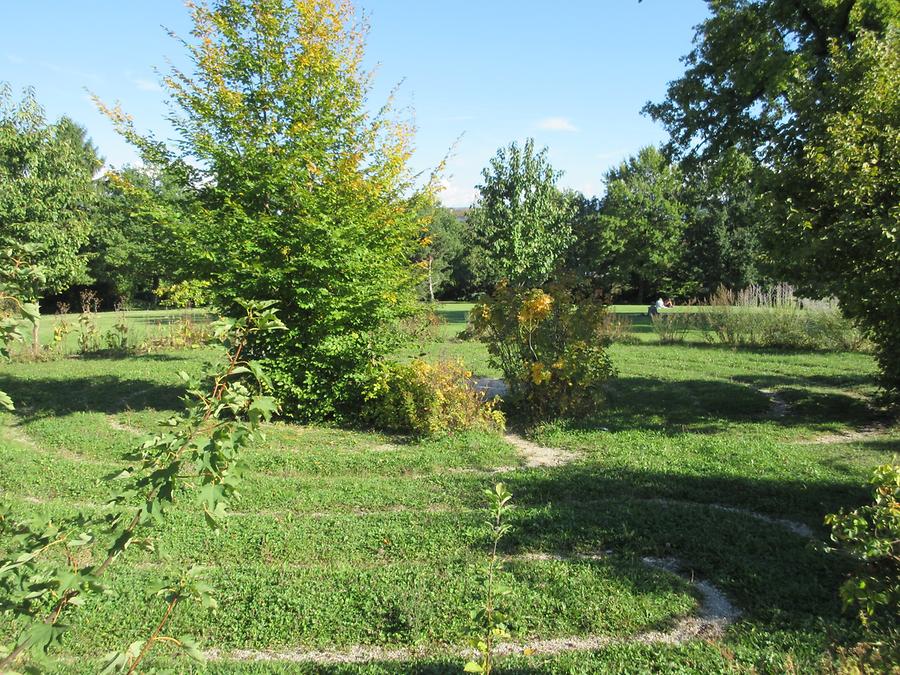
<point>199,452</point>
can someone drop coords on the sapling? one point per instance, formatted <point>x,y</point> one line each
<point>491,620</point>
<point>42,575</point>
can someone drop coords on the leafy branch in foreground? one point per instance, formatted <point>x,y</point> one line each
<point>18,280</point>
<point>491,620</point>
<point>43,574</point>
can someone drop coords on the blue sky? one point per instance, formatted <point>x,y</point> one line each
<point>573,74</point>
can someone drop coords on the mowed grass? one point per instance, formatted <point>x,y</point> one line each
<point>142,324</point>
<point>347,538</point>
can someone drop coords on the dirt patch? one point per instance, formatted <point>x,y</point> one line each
<point>866,433</point>
<point>115,424</point>
<point>536,456</point>
<point>778,407</point>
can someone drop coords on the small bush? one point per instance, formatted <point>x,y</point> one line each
<point>671,328</point>
<point>616,329</point>
<point>185,333</point>
<point>551,347</point>
<point>426,399</point>
<point>871,535</point>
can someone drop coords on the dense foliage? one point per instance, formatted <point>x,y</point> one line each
<point>427,399</point>
<point>871,535</point>
<point>549,345</point>
<point>641,224</point>
<point>47,192</point>
<point>134,248</point>
<point>521,217</point>
<point>810,91</point>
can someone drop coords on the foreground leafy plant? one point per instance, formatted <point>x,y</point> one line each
<point>46,570</point>
<point>18,279</point>
<point>491,621</point>
<point>871,535</point>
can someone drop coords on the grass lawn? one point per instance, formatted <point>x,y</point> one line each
<point>141,325</point>
<point>347,538</point>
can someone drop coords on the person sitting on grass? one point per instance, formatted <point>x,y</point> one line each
<point>655,308</point>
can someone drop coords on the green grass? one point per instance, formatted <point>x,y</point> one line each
<point>357,538</point>
<point>142,324</point>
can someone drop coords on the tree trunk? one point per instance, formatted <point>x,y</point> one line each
<point>36,335</point>
<point>430,279</point>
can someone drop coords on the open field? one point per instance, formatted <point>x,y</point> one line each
<point>142,324</point>
<point>350,544</point>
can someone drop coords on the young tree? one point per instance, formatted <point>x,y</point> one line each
<point>640,229</point>
<point>46,194</point>
<point>305,195</point>
<point>522,219</point>
<point>442,248</point>
<point>789,83</point>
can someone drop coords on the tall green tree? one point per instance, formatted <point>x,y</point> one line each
<point>789,82</point>
<point>305,195</point>
<point>724,225</point>
<point>522,220</point>
<point>639,236</point>
<point>134,247</point>
<point>47,192</point>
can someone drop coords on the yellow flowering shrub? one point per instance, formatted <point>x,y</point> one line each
<point>426,399</point>
<point>550,345</point>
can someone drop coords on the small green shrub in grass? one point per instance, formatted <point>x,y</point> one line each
<point>551,347</point>
<point>671,328</point>
<point>425,399</point>
<point>871,535</point>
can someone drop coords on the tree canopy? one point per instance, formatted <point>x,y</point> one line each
<point>47,192</point>
<point>809,91</point>
<point>522,219</point>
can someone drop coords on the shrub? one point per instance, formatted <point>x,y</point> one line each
<point>871,535</point>
<point>550,345</point>
<point>614,328</point>
<point>776,318</point>
<point>185,333</point>
<point>423,398</point>
<point>672,327</point>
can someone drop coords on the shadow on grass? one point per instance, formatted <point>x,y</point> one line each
<point>771,574</point>
<point>118,355</point>
<point>711,406</point>
<point>44,397</point>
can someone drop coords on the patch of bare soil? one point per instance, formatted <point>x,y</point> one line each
<point>536,456</point>
<point>865,433</point>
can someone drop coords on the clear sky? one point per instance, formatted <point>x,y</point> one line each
<point>573,74</point>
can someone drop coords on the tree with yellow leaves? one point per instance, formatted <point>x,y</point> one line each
<point>305,194</point>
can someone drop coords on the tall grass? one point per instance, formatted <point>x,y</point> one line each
<point>777,317</point>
